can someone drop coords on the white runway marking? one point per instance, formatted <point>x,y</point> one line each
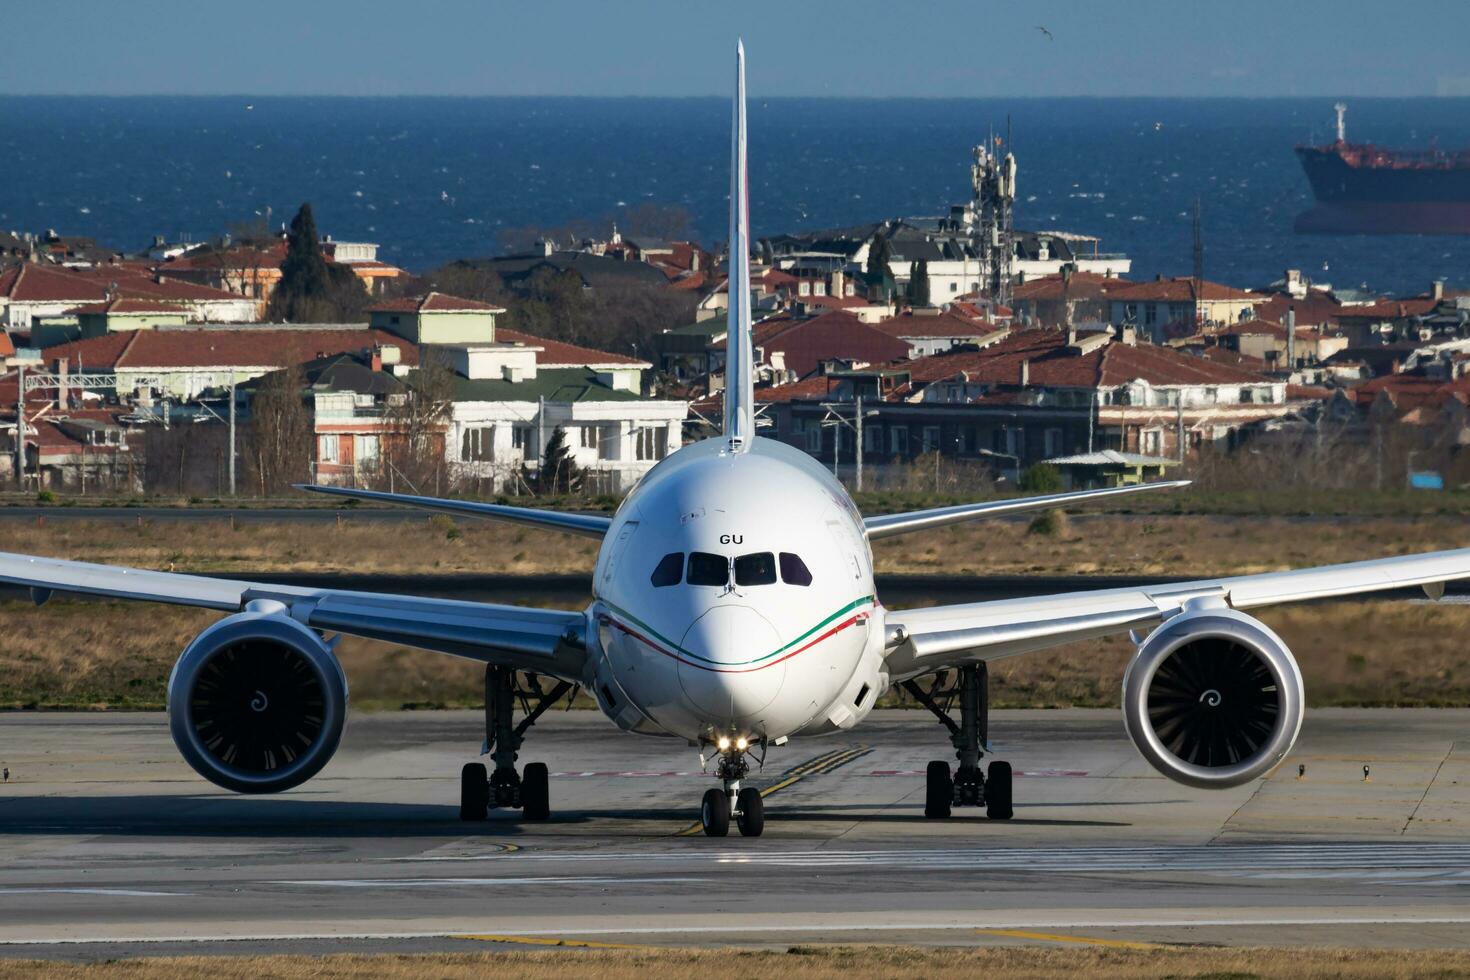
<point>116,892</point>
<point>1029,773</point>
<point>1078,860</point>
<point>476,882</point>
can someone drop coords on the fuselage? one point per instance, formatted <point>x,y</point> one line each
<point>734,595</point>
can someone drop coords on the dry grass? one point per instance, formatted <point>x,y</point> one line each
<point>114,654</point>
<point>68,654</point>
<point>1089,544</point>
<point>797,963</point>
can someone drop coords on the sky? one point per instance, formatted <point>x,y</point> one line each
<point>923,48</point>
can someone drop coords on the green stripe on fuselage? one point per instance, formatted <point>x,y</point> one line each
<point>855,604</point>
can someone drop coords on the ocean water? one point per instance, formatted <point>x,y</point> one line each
<point>436,179</point>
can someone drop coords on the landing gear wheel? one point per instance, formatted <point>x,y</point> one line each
<point>998,791</point>
<point>752,809</point>
<point>535,792</point>
<point>714,813</point>
<point>938,791</point>
<point>474,792</point>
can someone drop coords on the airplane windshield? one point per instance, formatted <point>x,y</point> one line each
<point>757,569</point>
<point>707,569</point>
<point>669,570</point>
<point>794,570</point>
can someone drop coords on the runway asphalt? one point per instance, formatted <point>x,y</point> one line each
<point>110,845</point>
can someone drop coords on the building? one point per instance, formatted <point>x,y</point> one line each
<point>252,269</point>
<point>930,330</point>
<point>1067,298</point>
<point>1166,308</point>
<point>41,298</point>
<point>1032,396</point>
<point>1266,341</point>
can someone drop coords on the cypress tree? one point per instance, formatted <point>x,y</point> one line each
<point>919,283</point>
<point>305,278</point>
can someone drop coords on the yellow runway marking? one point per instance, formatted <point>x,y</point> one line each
<point>550,941</point>
<point>1049,937</point>
<point>825,762</point>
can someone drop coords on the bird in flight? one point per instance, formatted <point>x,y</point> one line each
<point>1046,32</point>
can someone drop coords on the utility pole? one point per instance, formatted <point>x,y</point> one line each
<point>20,427</point>
<point>541,436</point>
<point>859,426</point>
<point>232,430</point>
<point>1290,342</point>
<point>836,451</point>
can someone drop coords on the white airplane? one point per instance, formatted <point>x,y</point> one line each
<point>734,607</point>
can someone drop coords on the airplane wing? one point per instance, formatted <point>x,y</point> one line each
<point>586,525</point>
<point>885,525</point>
<point>923,640</point>
<point>547,641</point>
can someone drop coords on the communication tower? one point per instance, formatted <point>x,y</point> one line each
<point>993,178</point>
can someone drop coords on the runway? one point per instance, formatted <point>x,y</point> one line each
<point>112,846</point>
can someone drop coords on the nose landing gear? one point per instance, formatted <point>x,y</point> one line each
<point>967,785</point>
<point>505,788</point>
<point>744,805</point>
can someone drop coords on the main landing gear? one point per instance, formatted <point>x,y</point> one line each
<point>966,786</point>
<point>743,805</point>
<point>530,790</point>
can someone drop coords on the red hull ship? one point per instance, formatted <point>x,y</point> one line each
<point>1366,189</point>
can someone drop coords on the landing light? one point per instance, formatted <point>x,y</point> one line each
<point>742,743</point>
<point>724,743</point>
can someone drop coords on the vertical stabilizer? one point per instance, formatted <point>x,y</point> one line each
<point>739,352</point>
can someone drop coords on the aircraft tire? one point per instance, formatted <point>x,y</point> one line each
<point>752,809</point>
<point>998,791</point>
<point>535,792</point>
<point>714,813</point>
<point>938,791</point>
<point>474,792</point>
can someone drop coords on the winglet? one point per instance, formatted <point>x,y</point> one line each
<point>739,352</point>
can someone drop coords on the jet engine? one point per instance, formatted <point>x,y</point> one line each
<point>1213,698</point>
<point>257,702</point>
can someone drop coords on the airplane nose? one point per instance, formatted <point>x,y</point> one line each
<point>730,671</point>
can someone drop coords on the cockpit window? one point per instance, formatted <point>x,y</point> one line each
<point>707,569</point>
<point>669,571</point>
<point>794,570</point>
<point>757,569</point>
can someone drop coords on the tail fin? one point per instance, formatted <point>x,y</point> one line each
<point>739,352</point>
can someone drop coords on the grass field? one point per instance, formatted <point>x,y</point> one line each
<point>796,963</point>
<point>79,654</point>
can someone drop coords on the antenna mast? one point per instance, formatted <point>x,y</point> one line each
<point>993,181</point>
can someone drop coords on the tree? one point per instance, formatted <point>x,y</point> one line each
<point>278,448</point>
<point>877,272</point>
<point>559,472</point>
<point>919,283</point>
<point>415,423</point>
<point>1041,478</point>
<point>310,289</point>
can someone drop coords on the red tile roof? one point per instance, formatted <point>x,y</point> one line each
<point>554,353</point>
<point>1179,288</point>
<point>946,324</point>
<point>1314,310</point>
<point>1081,285</point>
<point>205,348</point>
<point>1051,364</point>
<point>123,304</point>
<point>434,302</point>
<point>31,283</point>
<point>1389,309</point>
<point>804,344</point>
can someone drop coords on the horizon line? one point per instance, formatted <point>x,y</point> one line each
<point>718,96</point>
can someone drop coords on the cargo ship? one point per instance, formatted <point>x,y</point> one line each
<point>1366,189</point>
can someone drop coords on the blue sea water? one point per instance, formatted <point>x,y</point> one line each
<point>438,178</point>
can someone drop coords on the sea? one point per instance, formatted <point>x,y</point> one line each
<point>435,179</point>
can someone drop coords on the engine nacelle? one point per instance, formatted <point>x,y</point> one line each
<point>1213,698</point>
<point>257,702</point>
